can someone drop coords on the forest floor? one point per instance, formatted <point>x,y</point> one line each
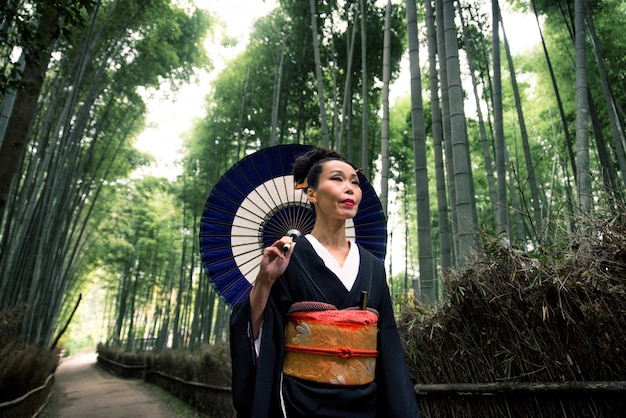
<point>82,389</point>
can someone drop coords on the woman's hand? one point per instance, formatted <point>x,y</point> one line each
<point>273,263</point>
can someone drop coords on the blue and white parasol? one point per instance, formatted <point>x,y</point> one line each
<point>255,203</point>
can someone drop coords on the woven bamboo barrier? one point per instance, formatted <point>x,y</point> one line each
<point>216,400</point>
<point>29,404</point>
<point>527,334</point>
<point>122,369</point>
<point>207,398</point>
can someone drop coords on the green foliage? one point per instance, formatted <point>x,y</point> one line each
<point>79,343</point>
<point>139,236</point>
<point>81,146</point>
<point>19,37</point>
<point>143,249</point>
<point>238,117</point>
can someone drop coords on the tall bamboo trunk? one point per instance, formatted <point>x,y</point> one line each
<point>318,73</point>
<point>617,129</point>
<point>464,191</point>
<point>445,118</point>
<point>445,250</point>
<point>537,225</point>
<point>502,221</point>
<point>16,135</point>
<point>583,175</point>
<point>481,122</point>
<point>428,289</point>
<point>568,138</point>
<point>347,94</point>
<point>384,136</point>
<point>364,92</point>
<point>276,96</point>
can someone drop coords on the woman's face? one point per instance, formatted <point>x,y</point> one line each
<point>338,193</point>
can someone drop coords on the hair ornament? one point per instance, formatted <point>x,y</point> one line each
<point>302,184</point>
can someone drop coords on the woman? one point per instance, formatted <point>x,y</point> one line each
<point>325,267</point>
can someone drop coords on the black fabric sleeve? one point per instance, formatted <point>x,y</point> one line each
<point>256,381</point>
<point>243,359</point>
<point>396,397</point>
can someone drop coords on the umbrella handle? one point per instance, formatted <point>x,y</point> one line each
<point>293,233</point>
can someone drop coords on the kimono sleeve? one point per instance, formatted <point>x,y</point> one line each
<point>255,379</point>
<point>396,397</point>
<point>243,358</point>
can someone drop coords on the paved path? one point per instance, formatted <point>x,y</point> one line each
<point>87,391</point>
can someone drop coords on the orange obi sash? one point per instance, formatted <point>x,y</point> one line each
<point>327,345</point>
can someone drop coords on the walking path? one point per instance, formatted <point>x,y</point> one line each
<point>87,391</point>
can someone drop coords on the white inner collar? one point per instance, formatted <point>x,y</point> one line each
<point>347,274</point>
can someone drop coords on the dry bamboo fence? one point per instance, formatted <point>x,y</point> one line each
<point>215,400</point>
<point>30,404</point>
<point>527,335</point>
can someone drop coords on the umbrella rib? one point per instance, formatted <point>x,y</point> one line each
<point>304,220</point>
<point>273,179</point>
<point>227,258</point>
<point>281,218</point>
<point>254,266</point>
<point>246,197</point>
<point>240,207</point>
<point>262,181</point>
<point>227,288</point>
<point>242,295</point>
<point>217,208</point>
<point>283,183</point>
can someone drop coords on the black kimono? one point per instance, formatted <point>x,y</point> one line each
<point>257,383</point>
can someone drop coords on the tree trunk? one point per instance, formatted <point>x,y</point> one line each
<point>606,167</point>
<point>445,118</point>
<point>616,128</point>
<point>481,122</point>
<point>277,86</point>
<point>347,94</point>
<point>364,148</point>
<point>427,290</point>
<point>502,221</point>
<point>465,199</point>
<point>583,175</point>
<point>384,136</point>
<point>16,136</point>
<point>318,73</point>
<point>537,226</point>
<point>241,115</point>
<point>437,129</point>
<point>8,102</point>
<point>566,131</point>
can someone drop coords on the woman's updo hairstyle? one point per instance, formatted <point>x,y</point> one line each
<point>308,166</point>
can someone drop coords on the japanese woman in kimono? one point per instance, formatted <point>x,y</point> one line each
<point>293,364</point>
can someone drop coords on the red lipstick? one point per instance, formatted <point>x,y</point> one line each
<point>348,202</point>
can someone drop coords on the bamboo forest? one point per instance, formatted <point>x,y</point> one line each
<point>500,173</point>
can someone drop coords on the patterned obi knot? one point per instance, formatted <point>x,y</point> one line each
<point>327,345</point>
